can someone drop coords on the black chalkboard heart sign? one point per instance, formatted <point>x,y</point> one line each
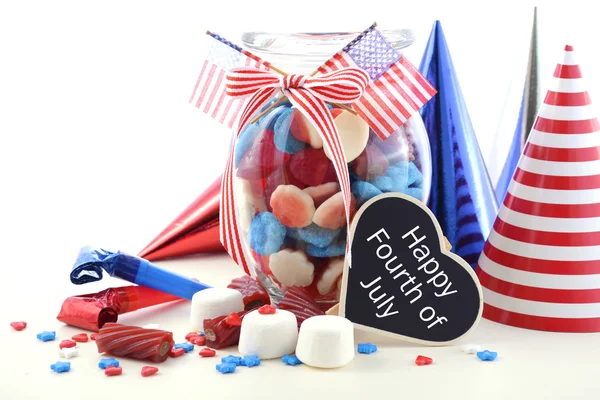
<point>400,280</point>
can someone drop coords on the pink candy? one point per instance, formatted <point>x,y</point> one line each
<point>322,192</point>
<point>370,163</point>
<point>304,131</point>
<point>331,214</point>
<point>292,207</point>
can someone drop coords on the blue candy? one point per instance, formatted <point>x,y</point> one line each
<point>61,366</point>
<point>226,368</point>
<point>417,193</point>
<point>385,184</point>
<point>336,249</point>
<point>367,348</point>
<point>266,234</point>
<point>46,336</point>
<point>399,174</point>
<point>283,138</point>
<point>250,361</point>
<point>268,121</point>
<point>187,347</point>
<point>415,177</point>
<point>108,362</point>
<point>364,191</point>
<point>320,237</point>
<point>291,360</point>
<point>487,355</point>
<point>245,141</point>
<point>230,359</point>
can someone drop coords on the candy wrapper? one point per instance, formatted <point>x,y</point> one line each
<point>303,161</point>
<point>195,230</point>
<point>92,311</point>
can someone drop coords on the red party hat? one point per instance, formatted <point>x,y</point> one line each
<point>195,230</point>
<point>540,268</point>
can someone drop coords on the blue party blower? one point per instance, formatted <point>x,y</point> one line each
<point>91,261</point>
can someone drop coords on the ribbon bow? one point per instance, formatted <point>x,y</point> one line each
<point>309,95</point>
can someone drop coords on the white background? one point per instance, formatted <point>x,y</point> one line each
<point>98,144</point>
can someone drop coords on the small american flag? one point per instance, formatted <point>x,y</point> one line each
<point>397,89</point>
<point>209,94</point>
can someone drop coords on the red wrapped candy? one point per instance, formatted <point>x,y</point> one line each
<point>298,301</point>
<point>134,342</point>
<point>252,291</point>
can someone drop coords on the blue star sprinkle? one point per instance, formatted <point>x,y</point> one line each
<point>61,366</point>
<point>250,361</point>
<point>487,355</point>
<point>367,348</point>
<point>291,360</point>
<point>108,362</point>
<point>226,368</point>
<point>187,347</point>
<point>46,336</point>
<point>230,359</point>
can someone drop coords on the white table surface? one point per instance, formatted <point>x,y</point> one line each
<point>531,364</point>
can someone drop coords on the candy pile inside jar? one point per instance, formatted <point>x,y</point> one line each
<point>290,206</point>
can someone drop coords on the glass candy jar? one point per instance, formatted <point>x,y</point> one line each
<point>289,205</point>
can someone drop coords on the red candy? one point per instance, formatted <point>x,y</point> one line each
<point>233,320</point>
<point>303,130</point>
<point>252,291</point>
<point>292,207</point>
<point>219,334</point>
<point>206,352</point>
<point>176,352</point>
<point>310,166</point>
<point>93,336</point>
<point>191,335</point>
<point>147,371</point>
<point>262,158</point>
<point>422,360</point>
<point>67,344</point>
<point>332,213</point>
<point>370,163</point>
<point>198,340</point>
<point>266,310</point>
<point>112,371</point>
<point>322,192</point>
<point>298,301</point>
<point>81,337</point>
<point>18,326</point>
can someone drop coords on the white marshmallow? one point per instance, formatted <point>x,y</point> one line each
<point>326,341</point>
<point>470,348</point>
<point>68,352</point>
<point>330,276</point>
<point>214,302</point>
<point>151,326</point>
<point>292,268</point>
<point>268,335</point>
<point>354,134</point>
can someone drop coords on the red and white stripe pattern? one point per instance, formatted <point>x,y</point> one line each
<point>391,99</point>
<point>540,268</point>
<point>309,95</point>
<point>209,94</point>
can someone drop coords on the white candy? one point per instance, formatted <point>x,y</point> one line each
<point>214,302</point>
<point>470,348</point>
<point>268,335</point>
<point>314,139</point>
<point>151,326</point>
<point>68,352</point>
<point>248,204</point>
<point>326,341</point>
<point>354,134</point>
<point>292,268</point>
<point>330,276</point>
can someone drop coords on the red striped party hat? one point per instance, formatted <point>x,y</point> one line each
<point>540,268</point>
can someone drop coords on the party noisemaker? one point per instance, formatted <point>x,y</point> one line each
<point>540,268</point>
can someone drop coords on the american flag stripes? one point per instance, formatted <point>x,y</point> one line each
<point>540,268</point>
<point>397,89</point>
<point>209,94</point>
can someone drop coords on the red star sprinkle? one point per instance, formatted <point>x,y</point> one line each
<point>112,371</point>
<point>176,352</point>
<point>147,371</point>
<point>81,337</point>
<point>191,335</point>
<point>206,352</point>
<point>422,360</point>
<point>198,340</point>
<point>233,320</point>
<point>93,336</point>
<point>266,309</point>
<point>18,326</point>
<point>67,344</point>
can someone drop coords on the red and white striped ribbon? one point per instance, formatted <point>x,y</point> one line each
<point>307,94</point>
